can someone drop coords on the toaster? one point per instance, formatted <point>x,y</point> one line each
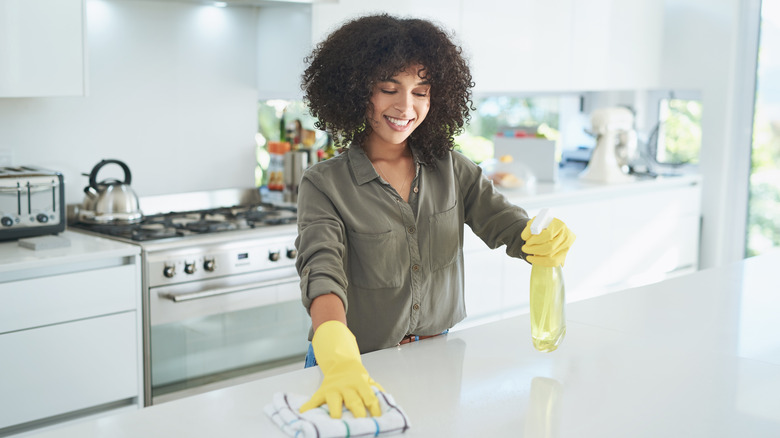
<point>32,202</point>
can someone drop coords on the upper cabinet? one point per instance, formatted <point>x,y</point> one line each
<point>616,44</point>
<point>536,46</point>
<point>284,40</point>
<point>42,48</point>
<point>522,45</point>
<point>326,17</point>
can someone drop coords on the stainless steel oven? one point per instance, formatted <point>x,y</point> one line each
<point>221,295</point>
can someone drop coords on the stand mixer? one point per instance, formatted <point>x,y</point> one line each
<point>616,146</point>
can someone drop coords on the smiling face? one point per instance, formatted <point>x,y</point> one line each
<point>398,106</point>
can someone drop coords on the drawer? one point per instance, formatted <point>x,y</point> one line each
<point>59,298</point>
<point>67,367</point>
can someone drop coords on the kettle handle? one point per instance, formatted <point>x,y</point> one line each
<point>93,175</point>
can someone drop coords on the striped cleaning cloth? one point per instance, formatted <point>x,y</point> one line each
<point>317,423</point>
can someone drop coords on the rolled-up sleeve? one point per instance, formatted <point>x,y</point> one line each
<point>320,244</point>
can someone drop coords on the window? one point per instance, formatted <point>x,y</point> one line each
<point>505,115</point>
<point>763,222</point>
<point>675,138</point>
<point>679,133</point>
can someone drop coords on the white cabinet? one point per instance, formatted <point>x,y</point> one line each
<point>562,45</point>
<point>67,367</point>
<point>327,17</point>
<point>283,41</point>
<point>627,236</point>
<point>616,45</point>
<point>530,45</point>
<point>70,331</point>
<point>519,45</point>
<point>42,48</point>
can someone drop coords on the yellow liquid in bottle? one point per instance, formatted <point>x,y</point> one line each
<point>548,322</point>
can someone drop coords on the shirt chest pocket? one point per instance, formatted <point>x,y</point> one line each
<point>444,239</point>
<point>375,260</point>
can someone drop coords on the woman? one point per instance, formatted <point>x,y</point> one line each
<point>380,227</point>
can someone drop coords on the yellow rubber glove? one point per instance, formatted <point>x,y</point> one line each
<point>549,247</point>
<point>345,380</point>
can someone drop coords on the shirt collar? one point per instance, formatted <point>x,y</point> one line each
<point>361,166</point>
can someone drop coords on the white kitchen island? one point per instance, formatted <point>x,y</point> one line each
<point>693,356</point>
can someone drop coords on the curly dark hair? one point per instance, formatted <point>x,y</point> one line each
<point>343,69</point>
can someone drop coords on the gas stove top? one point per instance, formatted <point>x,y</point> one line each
<point>201,213</point>
<point>180,224</point>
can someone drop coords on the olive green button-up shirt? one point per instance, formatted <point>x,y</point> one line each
<point>397,266</point>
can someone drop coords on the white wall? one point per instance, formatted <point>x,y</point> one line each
<point>172,93</point>
<point>710,45</point>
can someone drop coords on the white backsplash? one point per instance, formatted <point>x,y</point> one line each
<point>172,93</point>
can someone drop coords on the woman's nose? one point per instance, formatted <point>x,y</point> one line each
<point>404,102</point>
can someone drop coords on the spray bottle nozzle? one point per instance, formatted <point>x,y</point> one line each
<point>542,220</point>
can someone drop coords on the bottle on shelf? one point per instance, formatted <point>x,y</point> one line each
<point>276,150</point>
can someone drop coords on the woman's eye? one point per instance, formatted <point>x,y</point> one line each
<point>421,94</point>
<point>388,91</point>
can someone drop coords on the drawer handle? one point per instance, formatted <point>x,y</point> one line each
<point>181,297</point>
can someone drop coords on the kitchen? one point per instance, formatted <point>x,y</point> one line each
<point>169,80</point>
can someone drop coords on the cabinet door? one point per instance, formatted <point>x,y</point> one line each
<point>326,17</point>
<point>280,51</point>
<point>483,276</point>
<point>67,367</point>
<point>655,234</point>
<point>616,44</point>
<point>587,269</point>
<point>521,45</point>
<point>41,48</point>
<point>67,297</point>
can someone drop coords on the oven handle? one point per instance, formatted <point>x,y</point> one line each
<point>181,297</point>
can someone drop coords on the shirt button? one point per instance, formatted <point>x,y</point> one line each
<point>416,307</point>
<point>415,268</point>
<point>416,190</point>
<point>411,230</point>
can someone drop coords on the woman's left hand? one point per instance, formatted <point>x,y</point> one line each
<point>549,247</point>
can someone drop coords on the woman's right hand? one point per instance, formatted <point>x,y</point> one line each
<point>345,380</point>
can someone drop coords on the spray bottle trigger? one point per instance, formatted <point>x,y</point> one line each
<point>542,220</point>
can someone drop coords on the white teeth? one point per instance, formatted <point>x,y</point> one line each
<point>398,122</point>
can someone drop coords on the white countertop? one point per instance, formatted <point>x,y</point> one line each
<point>82,248</point>
<point>695,356</point>
<point>570,188</point>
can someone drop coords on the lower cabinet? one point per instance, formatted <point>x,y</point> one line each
<point>625,238</point>
<point>68,367</point>
<point>70,341</point>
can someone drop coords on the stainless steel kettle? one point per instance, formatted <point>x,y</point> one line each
<point>110,201</point>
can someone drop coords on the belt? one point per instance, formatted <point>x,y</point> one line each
<point>414,338</point>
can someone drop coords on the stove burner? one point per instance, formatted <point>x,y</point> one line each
<point>208,226</point>
<point>178,224</point>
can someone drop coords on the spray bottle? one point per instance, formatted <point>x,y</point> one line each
<point>548,323</point>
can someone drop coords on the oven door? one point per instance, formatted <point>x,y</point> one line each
<point>224,329</point>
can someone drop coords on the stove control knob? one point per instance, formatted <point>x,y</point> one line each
<point>209,265</point>
<point>189,267</point>
<point>292,253</point>
<point>169,271</point>
<point>273,256</point>
<point>7,221</point>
